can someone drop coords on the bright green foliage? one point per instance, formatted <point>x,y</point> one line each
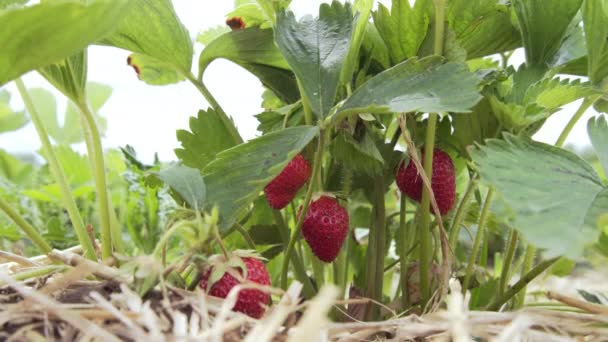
<point>252,15</point>
<point>207,138</point>
<point>554,195</point>
<point>274,120</point>
<point>597,129</point>
<point>7,4</point>
<point>554,93</point>
<point>186,182</point>
<point>14,170</point>
<point>211,34</point>
<point>237,175</point>
<point>151,27</point>
<point>10,120</point>
<point>69,75</point>
<point>363,10</point>
<point>482,27</point>
<point>425,85</point>
<point>36,36</point>
<point>153,71</point>
<point>315,49</point>
<point>543,25</point>
<point>573,49</point>
<point>595,17</point>
<point>403,28</point>
<point>254,50</point>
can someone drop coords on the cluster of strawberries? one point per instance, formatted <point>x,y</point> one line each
<point>325,226</point>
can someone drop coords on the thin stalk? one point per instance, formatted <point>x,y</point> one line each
<point>245,235</point>
<point>38,272</point>
<point>341,265</point>
<point>93,142</point>
<point>439,27</point>
<point>485,211</point>
<point>297,262</point>
<point>404,257</point>
<point>425,220</point>
<point>521,284</point>
<point>167,235</point>
<point>308,116</point>
<point>27,228</point>
<point>370,275</point>
<point>311,186</point>
<point>508,260</point>
<point>461,212</point>
<point>483,258</point>
<point>318,270</point>
<point>380,246</point>
<point>58,174</point>
<point>228,123</point>
<point>587,102</point>
<point>527,266</point>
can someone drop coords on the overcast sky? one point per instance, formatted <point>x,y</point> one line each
<point>147,117</point>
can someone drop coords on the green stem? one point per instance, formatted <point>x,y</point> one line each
<point>439,27</point>
<point>308,116</point>
<point>341,264</point>
<point>245,235</point>
<point>483,258</point>
<point>461,213</point>
<point>38,272</point>
<point>587,102</point>
<point>380,245</point>
<point>528,263</point>
<point>228,123</point>
<point>27,228</point>
<point>297,262</point>
<point>424,228</point>
<point>58,174</point>
<point>521,284</point>
<point>485,213</point>
<point>93,142</point>
<point>167,235</point>
<point>508,260</point>
<point>318,269</point>
<point>311,186</point>
<point>404,257</point>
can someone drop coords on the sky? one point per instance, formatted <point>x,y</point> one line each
<point>146,117</point>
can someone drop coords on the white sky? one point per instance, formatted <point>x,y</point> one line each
<point>147,117</point>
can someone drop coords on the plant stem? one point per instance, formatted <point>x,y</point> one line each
<point>439,26</point>
<point>318,269</point>
<point>342,263</point>
<point>311,186</point>
<point>522,283</point>
<point>508,260</point>
<point>245,235</point>
<point>27,228</point>
<point>167,235</point>
<point>461,212</point>
<point>308,116</point>
<point>528,263</point>
<point>38,272</point>
<point>297,262</point>
<point>485,211</point>
<point>404,257</point>
<point>379,226</point>
<point>58,174</point>
<point>425,220</point>
<point>587,102</point>
<point>228,123</point>
<point>93,141</point>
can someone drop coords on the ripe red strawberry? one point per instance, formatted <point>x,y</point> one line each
<point>281,190</point>
<point>249,302</point>
<point>325,227</point>
<point>443,181</point>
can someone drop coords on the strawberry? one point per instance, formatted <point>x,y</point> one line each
<point>325,227</point>
<point>284,187</point>
<point>249,302</point>
<point>443,181</point>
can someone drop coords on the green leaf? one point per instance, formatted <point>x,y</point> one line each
<point>597,128</point>
<point>152,28</point>
<point>425,85</point>
<point>475,127</point>
<point>251,14</point>
<point>237,175</point>
<point>9,119</point>
<point>554,93</point>
<point>265,234</point>
<point>76,167</point>
<point>68,76</point>
<point>316,49</point>
<point>8,4</point>
<point>553,193</point>
<point>210,34</point>
<point>363,10</point>
<point>482,27</point>
<point>207,138</point>
<point>39,35</point>
<point>573,48</point>
<point>46,105</point>
<point>187,182</point>
<point>153,71</point>
<point>543,26</point>
<point>403,28</point>
<point>595,18</point>
<point>274,120</point>
<point>360,154</point>
<point>15,170</point>
<point>254,49</point>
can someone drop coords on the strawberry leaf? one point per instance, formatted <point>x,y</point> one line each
<point>153,71</point>
<point>595,18</point>
<point>316,49</point>
<point>554,93</point>
<point>535,17</point>
<point>236,176</point>
<point>597,129</point>
<point>363,9</point>
<point>210,34</point>
<point>207,138</point>
<point>425,85</point>
<point>38,35</point>
<point>187,182</point>
<point>152,28</point>
<point>10,120</point>
<point>216,274</point>
<point>555,197</point>
<point>69,76</point>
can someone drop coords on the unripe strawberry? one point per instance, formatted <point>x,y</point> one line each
<point>284,187</point>
<point>325,227</point>
<point>249,302</point>
<point>443,181</point>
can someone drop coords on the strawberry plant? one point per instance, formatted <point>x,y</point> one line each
<point>385,131</point>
